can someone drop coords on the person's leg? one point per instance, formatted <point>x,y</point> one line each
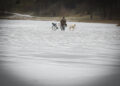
<point>61,27</point>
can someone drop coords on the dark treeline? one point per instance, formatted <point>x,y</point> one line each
<point>106,9</point>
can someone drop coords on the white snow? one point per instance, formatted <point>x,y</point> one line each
<point>18,15</point>
<point>59,58</point>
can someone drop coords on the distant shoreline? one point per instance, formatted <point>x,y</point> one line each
<point>70,19</point>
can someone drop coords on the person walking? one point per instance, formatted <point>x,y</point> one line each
<point>63,24</point>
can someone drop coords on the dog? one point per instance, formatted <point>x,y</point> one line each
<point>72,27</point>
<point>54,26</point>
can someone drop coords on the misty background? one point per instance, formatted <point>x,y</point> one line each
<point>102,9</point>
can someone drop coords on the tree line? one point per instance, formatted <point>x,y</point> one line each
<point>106,9</point>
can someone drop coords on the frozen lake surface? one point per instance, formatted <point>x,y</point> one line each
<point>34,54</point>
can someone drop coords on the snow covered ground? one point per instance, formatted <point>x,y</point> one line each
<point>87,56</point>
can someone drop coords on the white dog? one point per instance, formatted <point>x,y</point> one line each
<point>72,27</point>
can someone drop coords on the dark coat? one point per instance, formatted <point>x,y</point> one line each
<point>63,22</point>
